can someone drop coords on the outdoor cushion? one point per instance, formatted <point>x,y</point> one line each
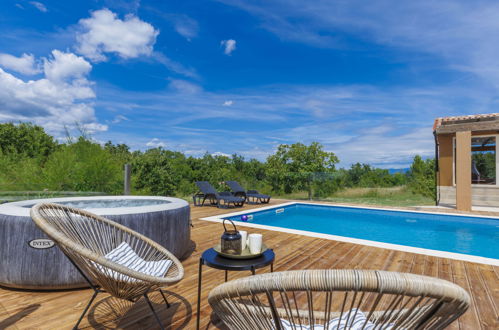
<point>125,256</point>
<point>356,321</point>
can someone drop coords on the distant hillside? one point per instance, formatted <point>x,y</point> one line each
<point>398,170</point>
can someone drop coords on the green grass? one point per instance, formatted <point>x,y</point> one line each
<point>396,196</point>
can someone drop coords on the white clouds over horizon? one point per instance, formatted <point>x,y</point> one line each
<point>61,98</point>
<point>24,64</point>
<point>156,143</point>
<point>229,46</point>
<point>369,79</point>
<point>63,66</point>
<point>104,32</point>
<point>359,123</point>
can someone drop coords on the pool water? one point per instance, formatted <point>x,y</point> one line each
<point>458,234</point>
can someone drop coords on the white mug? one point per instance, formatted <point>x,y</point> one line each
<point>255,243</point>
<point>244,239</point>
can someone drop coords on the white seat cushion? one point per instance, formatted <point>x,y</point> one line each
<point>125,256</point>
<point>356,321</point>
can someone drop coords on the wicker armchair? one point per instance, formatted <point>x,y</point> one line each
<point>338,299</point>
<point>111,257</point>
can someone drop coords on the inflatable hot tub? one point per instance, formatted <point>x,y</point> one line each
<point>29,260</point>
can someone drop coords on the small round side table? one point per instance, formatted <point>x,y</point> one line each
<point>211,259</point>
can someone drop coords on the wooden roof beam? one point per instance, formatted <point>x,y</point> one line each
<point>473,126</point>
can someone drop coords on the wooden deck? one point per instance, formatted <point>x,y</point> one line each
<point>61,309</point>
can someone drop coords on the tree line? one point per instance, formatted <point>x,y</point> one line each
<point>31,159</point>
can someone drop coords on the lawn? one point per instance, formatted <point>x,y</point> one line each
<point>395,196</point>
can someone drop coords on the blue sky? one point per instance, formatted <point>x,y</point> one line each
<point>366,79</point>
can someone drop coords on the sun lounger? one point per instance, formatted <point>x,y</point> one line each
<point>252,196</point>
<point>220,199</point>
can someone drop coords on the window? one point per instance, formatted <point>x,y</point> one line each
<point>483,160</point>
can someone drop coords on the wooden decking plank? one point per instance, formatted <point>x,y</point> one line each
<point>431,266</point>
<point>445,272</point>
<point>61,309</point>
<point>482,300</point>
<point>418,265</point>
<point>460,278</point>
<point>491,283</point>
<point>397,262</point>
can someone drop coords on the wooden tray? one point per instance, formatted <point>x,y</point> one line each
<point>245,254</point>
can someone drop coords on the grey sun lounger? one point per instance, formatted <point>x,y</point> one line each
<point>252,196</point>
<point>220,199</point>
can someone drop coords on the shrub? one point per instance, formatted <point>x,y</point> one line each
<point>422,177</point>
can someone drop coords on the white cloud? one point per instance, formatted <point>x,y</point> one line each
<point>219,153</point>
<point>175,66</point>
<point>119,118</point>
<point>228,103</point>
<point>184,87</point>
<point>361,123</point>
<point>104,32</point>
<point>383,145</point>
<point>61,98</point>
<point>63,66</point>
<point>24,64</point>
<point>94,127</point>
<point>229,46</point>
<point>38,5</point>
<point>156,143</point>
<point>185,26</point>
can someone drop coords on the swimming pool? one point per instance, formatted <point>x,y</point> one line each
<point>413,231</point>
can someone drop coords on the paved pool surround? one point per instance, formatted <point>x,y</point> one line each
<point>29,261</point>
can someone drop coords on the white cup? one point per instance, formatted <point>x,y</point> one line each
<point>255,243</point>
<point>244,239</point>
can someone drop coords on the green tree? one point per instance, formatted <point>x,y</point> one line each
<point>119,151</point>
<point>83,166</point>
<point>293,167</point>
<point>25,139</point>
<point>152,172</point>
<point>18,172</point>
<point>422,176</point>
<point>366,176</point>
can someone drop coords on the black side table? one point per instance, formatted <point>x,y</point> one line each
<point>211,259</point>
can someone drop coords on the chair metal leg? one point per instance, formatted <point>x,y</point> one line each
<point>164,298</point>
<point>86,309</point>
<point>153,311</point>
<point>200,273</point>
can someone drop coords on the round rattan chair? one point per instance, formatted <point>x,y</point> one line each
<point>326,299</point>
<point>88,240</point>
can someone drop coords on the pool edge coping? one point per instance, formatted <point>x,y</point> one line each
<point>390,246</point>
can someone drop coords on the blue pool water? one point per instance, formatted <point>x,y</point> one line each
<point>467,235</point>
